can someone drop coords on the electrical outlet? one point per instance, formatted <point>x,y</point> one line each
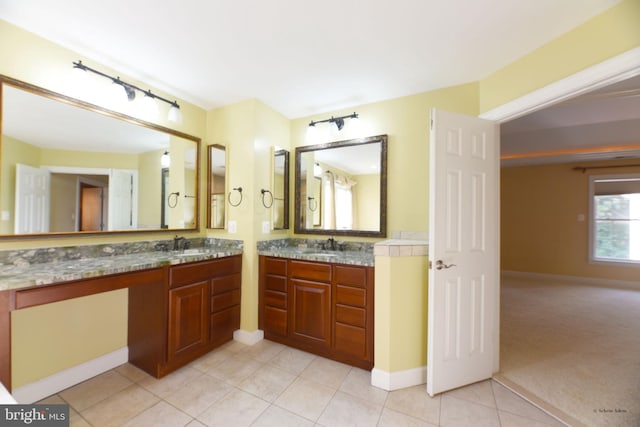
<point>232,227</point>
<point>266,227</point>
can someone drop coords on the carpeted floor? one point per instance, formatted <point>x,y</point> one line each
<point>574,347</point>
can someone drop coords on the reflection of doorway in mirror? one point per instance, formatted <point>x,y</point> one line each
<point>93,208</point>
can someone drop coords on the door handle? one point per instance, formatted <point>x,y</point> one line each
<point>440,265</point>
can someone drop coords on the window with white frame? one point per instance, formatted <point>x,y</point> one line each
<point>615,218</point>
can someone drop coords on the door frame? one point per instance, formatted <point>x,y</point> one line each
<point>610,71</point>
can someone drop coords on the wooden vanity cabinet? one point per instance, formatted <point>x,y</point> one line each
<point>197,311</point>
<point>323,308</point>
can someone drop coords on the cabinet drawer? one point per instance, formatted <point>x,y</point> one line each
<point>350,275</point>
<point>350,296</point>
<point>351,315</point>
<point>275,283</point>
<point>275,299</point>
<point>188,273</point>
<point>225,283</point>
<point>351,340</point>
<point>226,265</point>
<point>275,320</point>
<point>310,270</point>
<point>275,266</point>
<point>225,300</point>
<point>224,323</point>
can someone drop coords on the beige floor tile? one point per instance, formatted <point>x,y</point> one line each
<point>415,401</point>
<point>292,360</point>
<point>166,385</point>
<point>159,415</point>
<point>456,412</point>
<point>131,372</point>
<point>233,346</point>
<point>267,383</point>
<point>195,423</point>
<point>237,409</point>
<point>358,383</point>
<point>305,398</point>
<point>196,396</point>
<point>263,351</point>
<point>327,372</point>
<point>276,416</point>
<point>510,420</point>
<point>235,369</point>
<point>391,418</point>
<point>481,393</point>
<point>508,401</point>
<point>209,360</point>
<point>121,407</point>
<point>75,419</point>
<point>346,410</point>
<point>94,390</point>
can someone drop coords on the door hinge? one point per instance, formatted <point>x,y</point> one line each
<point>430,265</point>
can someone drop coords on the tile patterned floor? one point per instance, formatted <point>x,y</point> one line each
<point>269,384</point>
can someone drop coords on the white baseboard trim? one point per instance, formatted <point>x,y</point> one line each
<point>580,280</point>
<point>38,390</point>
<point>248,338</point>
<point>396,380</point>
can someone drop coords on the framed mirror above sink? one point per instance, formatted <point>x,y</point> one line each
<point>216,186</point>
<point>70,167</point>
<point>341,188</point>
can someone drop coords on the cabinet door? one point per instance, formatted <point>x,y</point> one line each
<point>310,312</point>
<point>188,318</point>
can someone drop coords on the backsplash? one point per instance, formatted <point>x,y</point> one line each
<point>70,253</point>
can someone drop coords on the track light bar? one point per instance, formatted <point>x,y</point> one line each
<point>129,88</point>
<point>339,121</point>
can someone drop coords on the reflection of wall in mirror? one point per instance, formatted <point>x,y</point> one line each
<point>13,152</point>
<point>278,200</point>
<point>150,194</point>
<point>367,200</point>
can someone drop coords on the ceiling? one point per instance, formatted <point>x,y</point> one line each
<point>602,124</point>
<point>301,58</point>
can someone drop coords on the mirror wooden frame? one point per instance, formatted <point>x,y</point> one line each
<point>382,231</point>
<point>285,213</point>
<point>37,90</point>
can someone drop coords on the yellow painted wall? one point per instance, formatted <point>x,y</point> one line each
<point>367,201</point>
<point>400,313</point>
<point>540,229</point>
<point>248,130</point>
<point>50,338</point>
<point>609,34</point>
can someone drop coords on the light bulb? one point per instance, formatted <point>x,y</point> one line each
<point>165,160</point>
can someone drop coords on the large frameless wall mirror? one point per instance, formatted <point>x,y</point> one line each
<point>216,185</point>
<point>280,185</point>
<point>341,188</point>
<point>70,167</point>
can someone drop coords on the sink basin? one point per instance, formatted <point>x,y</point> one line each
<point>321,254</point>
<point>192,252</point>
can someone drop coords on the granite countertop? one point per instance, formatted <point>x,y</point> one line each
<point>23,276</point>
<point>311,254</point>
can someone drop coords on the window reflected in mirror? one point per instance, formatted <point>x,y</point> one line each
<point>71,167</point>
<point>280,185</point>
<point>341,188</point>
<point>216,184</point>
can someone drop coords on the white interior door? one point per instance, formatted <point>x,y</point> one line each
<point>123,200</point>
<point>33,198</point>
<point>464,225</point>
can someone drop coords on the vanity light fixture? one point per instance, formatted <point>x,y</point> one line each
<point>339,121</point>
<point>175,115</point>
<point>165,160</point>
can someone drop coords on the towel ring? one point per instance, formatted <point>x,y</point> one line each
<point>175,199</point>
<point>263,192</point>
<point>312,206</point>
<point>239,190</point>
